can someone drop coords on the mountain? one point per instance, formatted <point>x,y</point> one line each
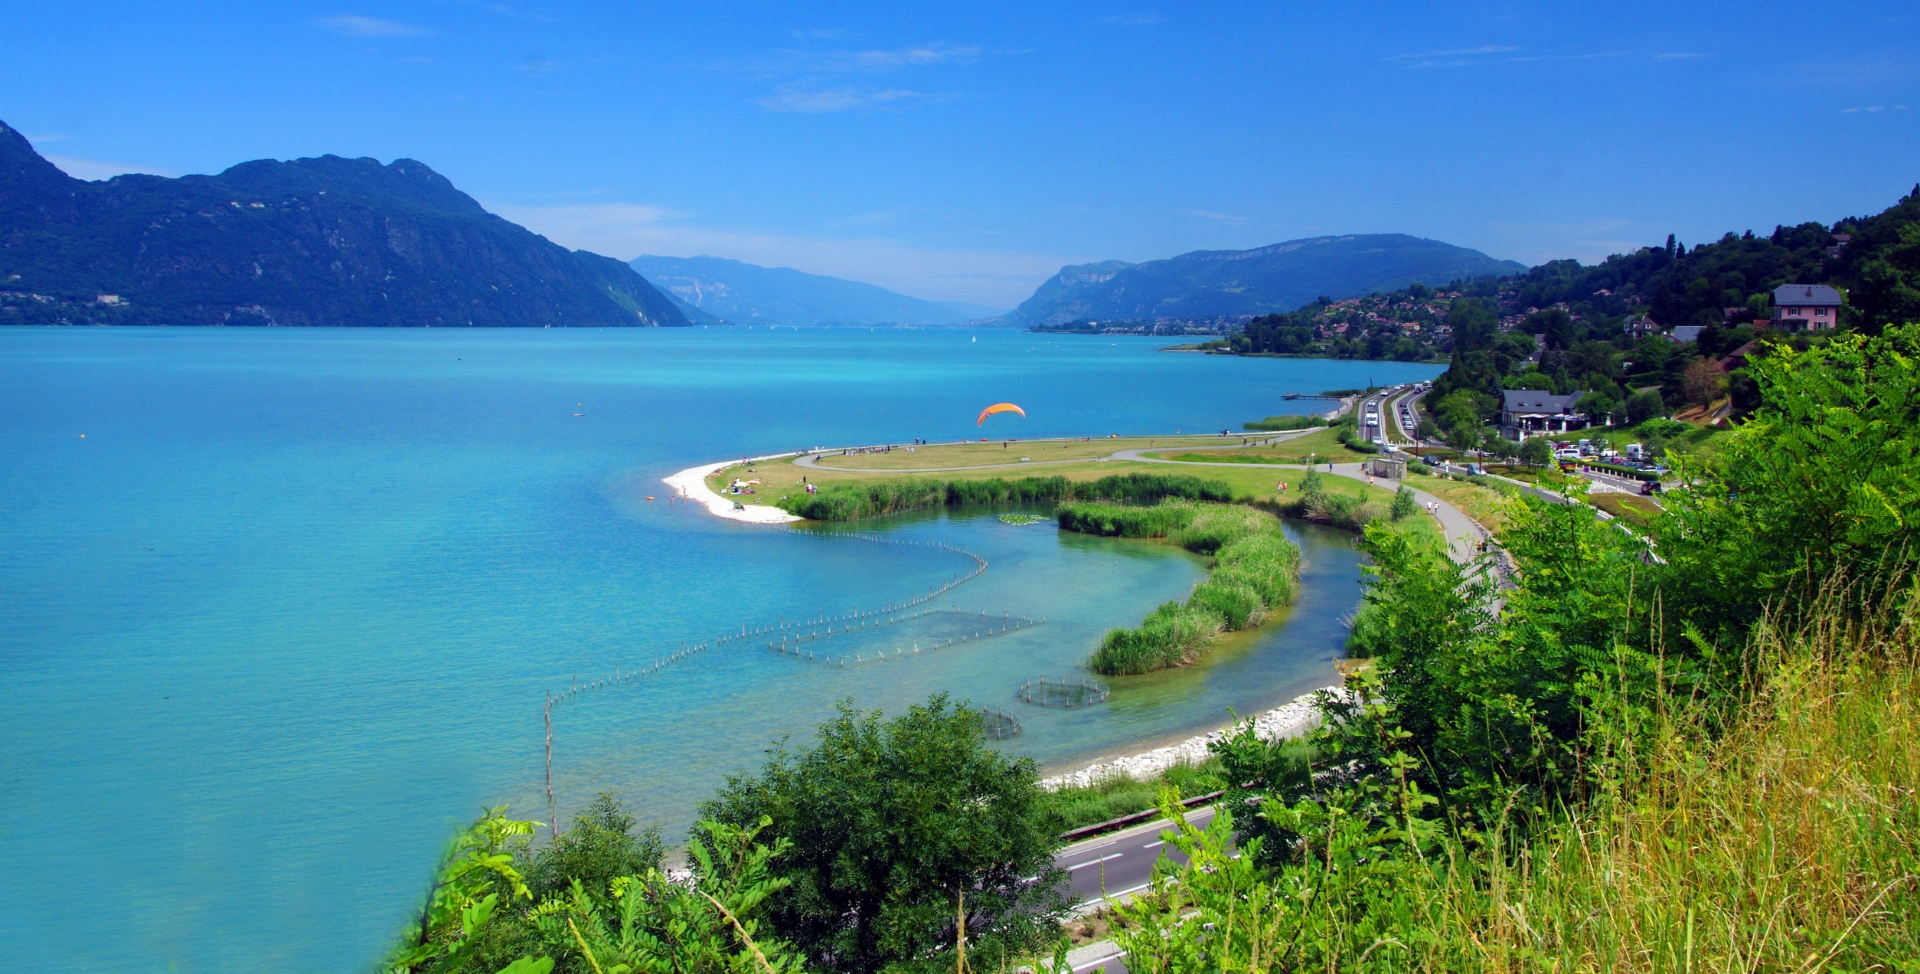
<point>327,241</point>
<point>748,294</point>
<point>1276,278</point>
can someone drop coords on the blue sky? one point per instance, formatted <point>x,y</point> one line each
<point>966,152</point>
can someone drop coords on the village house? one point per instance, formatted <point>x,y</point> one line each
<point>1805,307</point>
<point>1525,412</point>
<point>1641,327</point>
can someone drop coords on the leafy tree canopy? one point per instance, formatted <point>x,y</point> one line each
<point>886,824</point>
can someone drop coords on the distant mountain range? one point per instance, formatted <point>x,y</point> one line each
<point>748,294</point>
<point>327,241</point>
<point>1276,278</point>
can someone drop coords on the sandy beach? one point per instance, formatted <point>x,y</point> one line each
<point>1291,719</point>
<point>691,484</point>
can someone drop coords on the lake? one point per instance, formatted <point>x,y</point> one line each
<point>281,606</point>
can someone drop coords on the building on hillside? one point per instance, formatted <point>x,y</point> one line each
<point>1641,327</point>
<point>1687,333</point>
<point>1805,307</point>
<point>1737,359</point>
<point>1525,412</point>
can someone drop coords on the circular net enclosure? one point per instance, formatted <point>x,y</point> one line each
<point>1062,693</point>
<point>998,724</point>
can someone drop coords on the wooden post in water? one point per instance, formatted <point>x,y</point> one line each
<point>553,816</point>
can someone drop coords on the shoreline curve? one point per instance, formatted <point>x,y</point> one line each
<point>1290,719</point>
<point>691,484</point>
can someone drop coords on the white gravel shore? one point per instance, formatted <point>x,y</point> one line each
<point>1291,719</point>
<point>691,484</point>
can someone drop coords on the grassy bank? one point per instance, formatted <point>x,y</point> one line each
<point>1115,796</point>
<point>1255,569</point>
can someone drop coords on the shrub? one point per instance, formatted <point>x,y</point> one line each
<point>1644,405</point>
<point>1403,503</point>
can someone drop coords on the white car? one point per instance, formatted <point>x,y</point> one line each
<point>1566,454</point>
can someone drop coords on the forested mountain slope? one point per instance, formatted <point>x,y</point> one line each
<point>327,241</point>
<point>1279,277</point>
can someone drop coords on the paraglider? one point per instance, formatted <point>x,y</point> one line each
<point>998,407</point>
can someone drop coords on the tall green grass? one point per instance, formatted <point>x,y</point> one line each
<point>1116,795</point>
<point>850,502</point>
<point>1171,635</point>
<point>1255,568</point>
<point>1781,834</point>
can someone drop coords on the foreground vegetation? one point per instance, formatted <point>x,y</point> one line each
<point>1693,749</point>
<point>1784,840</point>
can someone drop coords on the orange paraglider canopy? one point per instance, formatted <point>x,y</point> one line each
<point>998,407</point>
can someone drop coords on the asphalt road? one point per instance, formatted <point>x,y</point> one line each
<point>1110,868</point>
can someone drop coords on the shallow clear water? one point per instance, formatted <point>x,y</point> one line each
<point>286,613</point>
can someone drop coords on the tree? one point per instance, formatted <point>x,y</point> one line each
<point>1703,382</point>
<point>1889,291</point>
<point>1403,504</point>
<point>1535,451</point>
<point>598,848</point>
<point>1644,405</point>
<point>1819,485</point>
<point>887,825</point>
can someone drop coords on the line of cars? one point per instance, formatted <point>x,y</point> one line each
<point>1573,455</point>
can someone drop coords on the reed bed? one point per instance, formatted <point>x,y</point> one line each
<point>853,501</point>
<point>1255,569</point>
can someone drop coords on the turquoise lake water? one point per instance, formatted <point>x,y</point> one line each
<point>278,608</point>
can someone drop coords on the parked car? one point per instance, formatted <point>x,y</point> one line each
<point>1650,487</point>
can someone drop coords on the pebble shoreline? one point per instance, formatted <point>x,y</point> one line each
<point>1291,719</point>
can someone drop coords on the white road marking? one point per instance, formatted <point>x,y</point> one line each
<point>1114,894</point>
<point>1093,862</point>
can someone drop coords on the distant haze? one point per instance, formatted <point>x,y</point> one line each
<point>745,293</point>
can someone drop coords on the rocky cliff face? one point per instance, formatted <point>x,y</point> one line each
<point>327,241</point>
